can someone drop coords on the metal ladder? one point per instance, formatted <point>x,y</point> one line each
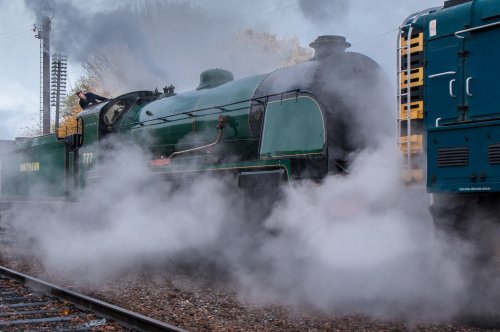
<point>404,83</point>
<point>407,161</point>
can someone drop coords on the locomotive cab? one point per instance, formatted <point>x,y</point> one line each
<point>112,113</point>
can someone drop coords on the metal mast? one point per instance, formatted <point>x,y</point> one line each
<point>58,87</point>
<point>44,36</point>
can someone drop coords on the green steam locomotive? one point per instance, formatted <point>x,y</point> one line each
<point>298,122</point>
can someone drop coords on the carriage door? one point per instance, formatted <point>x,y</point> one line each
<point>482,71</point>
<point>443,95</point>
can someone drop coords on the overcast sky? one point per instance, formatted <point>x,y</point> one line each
<point>370,25</point>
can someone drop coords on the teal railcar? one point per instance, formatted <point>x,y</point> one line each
<point>449,115</point>
<point>451,89</point>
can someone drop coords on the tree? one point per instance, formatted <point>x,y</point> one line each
<point>288,49</point>
<point>32,130</point>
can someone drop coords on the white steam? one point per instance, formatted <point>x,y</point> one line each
<point>126,217</point>
<point>139,45</point>
<point>323,12</point>
<point>360,243</point>
<point>357,244</point>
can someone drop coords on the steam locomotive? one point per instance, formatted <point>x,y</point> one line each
<point>298,122</point>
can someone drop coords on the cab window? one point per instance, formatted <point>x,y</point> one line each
<point>114,111</point>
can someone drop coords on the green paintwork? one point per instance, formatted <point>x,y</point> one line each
<point>212,78</point>
<point>129,117</point>
<point>89,152</point>
<point>293,127</point>
<point>186,167</point>
<point>90,128</point>
<point>36,168</point>
<point>469,118</point>
<point>162,137</point>
<point>298,121</point>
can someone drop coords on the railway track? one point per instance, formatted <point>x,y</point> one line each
<point>30,304</point>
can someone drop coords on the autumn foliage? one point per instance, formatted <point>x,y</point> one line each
<point>67,125</point>
<point>289,48</point>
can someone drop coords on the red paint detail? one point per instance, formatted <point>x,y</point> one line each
<point>160,162</point>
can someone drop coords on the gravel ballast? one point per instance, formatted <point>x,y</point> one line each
<point>199,303</point>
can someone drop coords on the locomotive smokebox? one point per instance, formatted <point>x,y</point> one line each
<point>325,46</point>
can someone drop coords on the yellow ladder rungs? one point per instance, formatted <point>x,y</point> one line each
<point>416,144</point>
<point>416,110</point>
<point>416,44</point>
<point>416,78</point>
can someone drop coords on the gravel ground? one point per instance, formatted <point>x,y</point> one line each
<point>197,303</point>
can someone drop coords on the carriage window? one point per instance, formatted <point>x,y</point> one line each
<point>113,112</point>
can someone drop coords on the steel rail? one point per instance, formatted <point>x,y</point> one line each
<point>121,316</point>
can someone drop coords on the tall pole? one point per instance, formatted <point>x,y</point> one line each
<point>45,34</point>
<point>58,94</point>
<point>59,73</point>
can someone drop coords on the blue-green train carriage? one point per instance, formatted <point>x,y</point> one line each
<point>449,114</point>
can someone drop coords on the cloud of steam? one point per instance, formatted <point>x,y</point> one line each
<point>360,243</point>
<point>141,45</point>
<point>116,225</point>
<point>323,12</point>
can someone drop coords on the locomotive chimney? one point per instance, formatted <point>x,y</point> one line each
<point>325,46</point>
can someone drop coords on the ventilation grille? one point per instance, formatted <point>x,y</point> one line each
<point>494,154</point>
<point>453,157</point>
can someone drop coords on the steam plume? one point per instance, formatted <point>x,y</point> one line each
<point>322,12</point>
